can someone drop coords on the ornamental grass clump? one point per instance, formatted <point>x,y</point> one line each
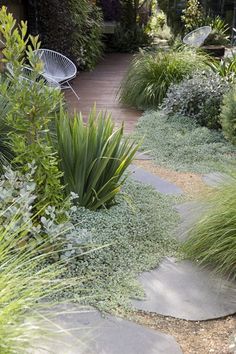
<point>151,74</point>
<point>212,241</point>
<point>93,157</point>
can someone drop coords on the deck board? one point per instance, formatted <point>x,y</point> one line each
<point>101,87</point>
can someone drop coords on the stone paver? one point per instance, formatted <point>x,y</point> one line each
<point>94,334</point>
<point>161,185</point>
<point>185,291</point>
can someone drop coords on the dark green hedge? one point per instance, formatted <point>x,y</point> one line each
<point>72,27</point>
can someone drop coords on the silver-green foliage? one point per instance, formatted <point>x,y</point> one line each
<point>180,143</point>
<point>17,198</point>
<point>136,233</point>
<point>27,278</point>
<point>199,97</point>
<point>151,74</point>
<point>93,157</point>
<point>228,115</point>
<point>212,240</point>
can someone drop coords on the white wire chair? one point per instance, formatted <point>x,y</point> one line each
<point>197,37</point>
<point>57,67</point>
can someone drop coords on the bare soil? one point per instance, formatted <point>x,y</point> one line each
<point>191,183</point>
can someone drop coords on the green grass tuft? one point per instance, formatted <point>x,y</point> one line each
<point>151,74</point>
<point>181,144</point>
<point>212,240</point>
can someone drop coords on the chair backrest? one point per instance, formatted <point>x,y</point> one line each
<point>56,66</point>
<point>197,37</point>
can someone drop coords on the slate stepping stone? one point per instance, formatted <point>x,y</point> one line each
<point>161,185</point>
<point>109,335</point>
<point>186,291</point>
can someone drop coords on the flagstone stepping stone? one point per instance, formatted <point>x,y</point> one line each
<point>186,291</point>
<point>161,185</point>
<point>90,333</point>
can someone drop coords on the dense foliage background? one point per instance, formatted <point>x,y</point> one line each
<point>72,27</point>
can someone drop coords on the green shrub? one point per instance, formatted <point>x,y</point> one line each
<point>193,15</point>
<point>18,195</point>
<point>228,115</point>
<point>225,67</point>
<point>130,34</point>
<point>151,74</point>
<point>32,109</point>
<point>129,39</point>
<point>219,33</point>
<point>93,157</point>
<point>212,240</point>
<point>199,97</point>
<point>157,26</point>
<point>180,143</point>
<point>28,277</point>
<point>81,19</point>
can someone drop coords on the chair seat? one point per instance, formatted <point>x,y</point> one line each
<point>56,66</point>
<point>197,37</point>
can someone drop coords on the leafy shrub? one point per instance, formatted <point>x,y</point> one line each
<point>179,143</point>
<point>157,26</point>
<point>212,240</point>
<point>219,33</point>
<point>28,277</point>
<point>130,34</point>
<point>82,19</point>
<point>129,40</point>
<point>93,157</point>
<point>228,115</point>
<point>199,96</point>
<point>18,196</point>
<point>151,74</point>
<point>32,109</point>
<point>225,67</point>
<point>192,15</point>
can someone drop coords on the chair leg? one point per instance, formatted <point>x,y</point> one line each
<point>70,87</point>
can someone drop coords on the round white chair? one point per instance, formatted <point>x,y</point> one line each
<point>197,37</point>
<point>57,67</point>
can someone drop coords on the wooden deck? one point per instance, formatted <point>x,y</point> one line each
<point>101,86</point>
